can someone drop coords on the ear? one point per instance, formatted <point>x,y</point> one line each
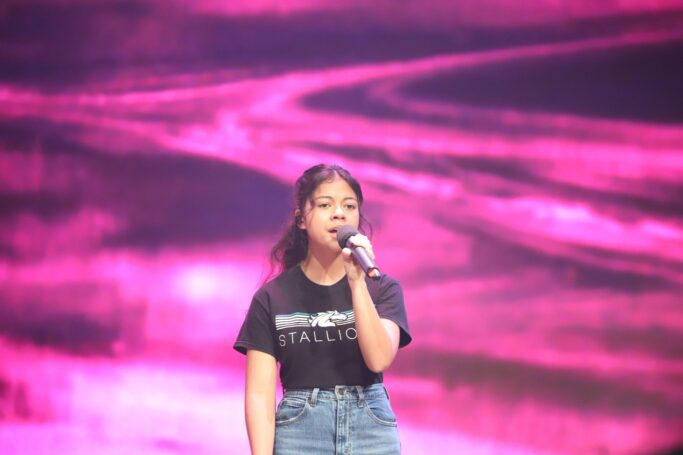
<point>299,219</point>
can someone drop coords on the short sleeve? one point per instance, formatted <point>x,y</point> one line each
<point>390,306</point>
<point>257,329</point>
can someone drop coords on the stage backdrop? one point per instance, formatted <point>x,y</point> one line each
<point>523,169</point>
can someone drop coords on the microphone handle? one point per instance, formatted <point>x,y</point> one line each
<point>366,263</point>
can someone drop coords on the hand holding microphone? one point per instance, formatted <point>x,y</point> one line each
<point>344,234</point>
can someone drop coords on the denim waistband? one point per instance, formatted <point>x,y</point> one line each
<point>340,392</point>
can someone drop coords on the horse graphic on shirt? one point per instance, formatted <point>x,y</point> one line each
<point>326,318</point>
<point>323,319</point>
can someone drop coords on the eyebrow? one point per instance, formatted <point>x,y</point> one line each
<point>330,197</point>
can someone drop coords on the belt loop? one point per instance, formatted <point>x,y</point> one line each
<point>314,397</point>
<point>361,396</point>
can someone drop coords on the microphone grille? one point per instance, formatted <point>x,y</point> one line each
<point>344,233</point>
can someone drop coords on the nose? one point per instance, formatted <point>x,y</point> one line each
<point>338,213</point>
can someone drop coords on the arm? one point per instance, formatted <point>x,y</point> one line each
<point>259,405</point>
<point>378,338</point>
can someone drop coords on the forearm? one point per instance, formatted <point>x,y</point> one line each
<point>259,403</point>
<point>377,347</point>
<point>260,417</point>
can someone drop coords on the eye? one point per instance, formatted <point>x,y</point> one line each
<point>323,205</point>
<point>351,206</point>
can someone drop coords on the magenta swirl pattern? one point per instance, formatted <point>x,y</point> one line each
<point>523,170</point>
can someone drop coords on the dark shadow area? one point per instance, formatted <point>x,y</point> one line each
<point>655,340</point>
<point>162,199</point>
<point>50,207</point>
<point>73,44</point>
<point>77,333</point>
<point>26,135</point>
<point>630,83</point>
<point>184,200</point>
<point>678,450</point>
<point>519,381</point>
<point>84,318</point>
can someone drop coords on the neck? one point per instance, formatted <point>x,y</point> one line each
<point>324,269</point>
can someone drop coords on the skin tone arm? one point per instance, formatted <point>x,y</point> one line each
<point>378,338</point>
<point>259,406</point>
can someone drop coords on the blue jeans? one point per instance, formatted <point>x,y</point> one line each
<point>341,421</point>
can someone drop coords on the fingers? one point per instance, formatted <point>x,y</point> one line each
<point>348,257</point>
<point>363,242</point>
<point>353,270</point>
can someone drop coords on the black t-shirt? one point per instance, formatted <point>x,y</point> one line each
<point>310,328</point>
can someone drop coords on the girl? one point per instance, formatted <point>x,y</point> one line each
<point>332,329</point>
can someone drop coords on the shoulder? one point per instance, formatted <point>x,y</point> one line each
<point>385,284</point>
<point>281,284</point>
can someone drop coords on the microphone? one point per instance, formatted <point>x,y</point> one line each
<point>344,233</point>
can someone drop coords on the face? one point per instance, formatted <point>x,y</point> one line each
<point>333,204</point>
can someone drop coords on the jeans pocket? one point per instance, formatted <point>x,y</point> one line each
<point>290,410</point>
<point>379,410</point>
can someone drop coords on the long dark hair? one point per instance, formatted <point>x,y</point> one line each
<point>292,247</point>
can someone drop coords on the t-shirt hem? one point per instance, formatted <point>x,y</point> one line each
<point>405,337</point>
<point>243,346</point>
<point>379,379</point>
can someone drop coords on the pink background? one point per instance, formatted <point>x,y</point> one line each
<point>523,169</point>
